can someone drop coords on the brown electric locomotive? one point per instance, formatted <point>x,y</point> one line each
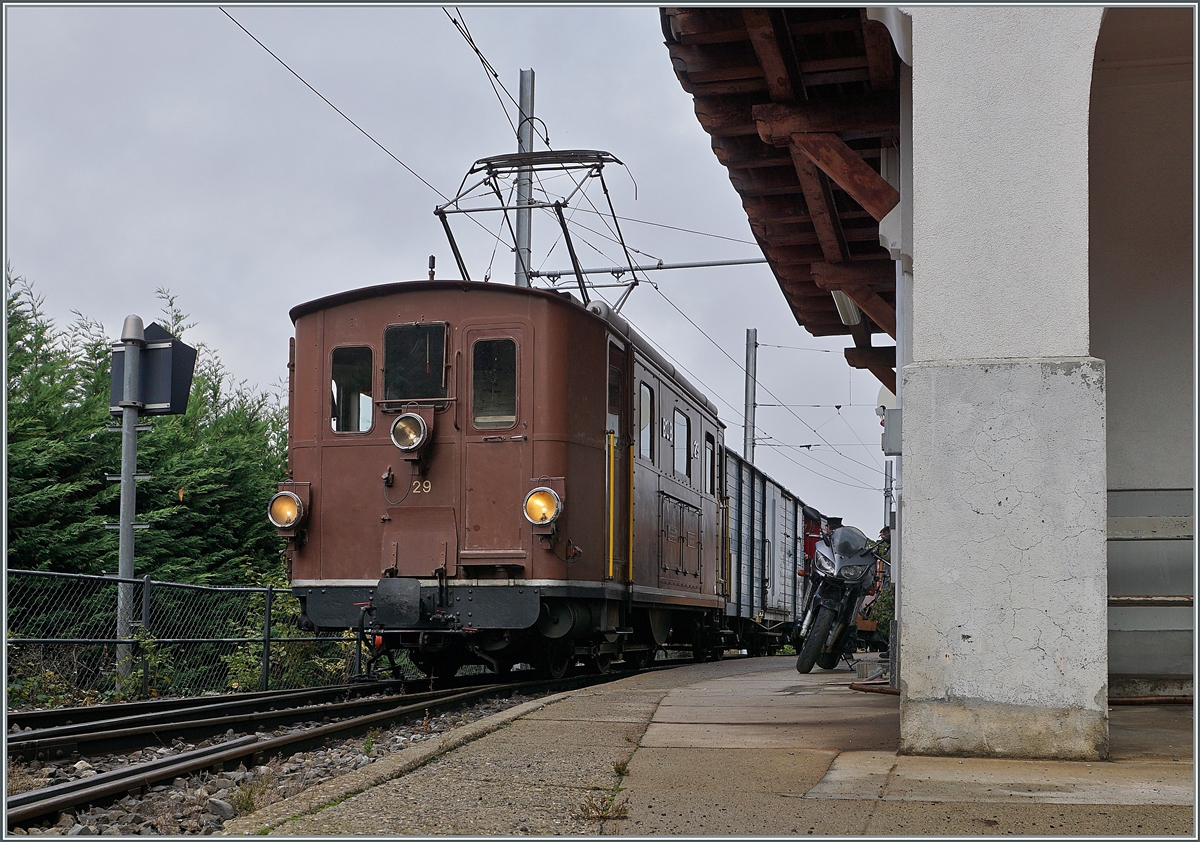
<point>480,473</point>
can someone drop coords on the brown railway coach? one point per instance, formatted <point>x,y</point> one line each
<point>469,465</point>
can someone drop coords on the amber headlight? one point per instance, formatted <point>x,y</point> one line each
<point>409,432</point>
<point>542,506</point>
<point>285,510</point>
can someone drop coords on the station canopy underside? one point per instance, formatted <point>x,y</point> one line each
<point>803,107</point>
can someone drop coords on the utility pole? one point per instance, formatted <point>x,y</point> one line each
<point>524,180</point>
<point>134,340</point>
<point>751,369</point>
<point>887,493</point>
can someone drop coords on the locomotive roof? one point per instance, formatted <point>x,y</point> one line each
<point>613,321</point>
<point>380,290</point>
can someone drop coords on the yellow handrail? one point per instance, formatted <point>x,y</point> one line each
<point>612,497</point>
<point>630,550</point>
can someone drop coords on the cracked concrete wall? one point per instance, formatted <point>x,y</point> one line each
<point>1003,628</point>
<point>1003,631</point>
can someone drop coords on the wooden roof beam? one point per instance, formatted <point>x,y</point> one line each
<point>871,356</point>
<point>853,279</point>
<point>761,29</point>
<point>852,173</point>
<point>821,209</point>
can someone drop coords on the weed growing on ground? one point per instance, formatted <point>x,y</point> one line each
<point>18,779</point>
<point>252,796</point>
<point>603,806</point>
<point>621,767</point>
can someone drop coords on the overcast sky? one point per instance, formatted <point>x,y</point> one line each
<point>162,147</point>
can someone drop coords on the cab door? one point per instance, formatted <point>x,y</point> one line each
<point>620,427</point>
<point>497,457</point>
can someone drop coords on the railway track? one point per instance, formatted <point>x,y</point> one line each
<point>360,716</point>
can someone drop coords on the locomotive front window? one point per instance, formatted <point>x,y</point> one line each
<point>682,439</point>
<point>646,423</point>
<point>494,386</point>
<point>351,407</point>
<point>414,361</point>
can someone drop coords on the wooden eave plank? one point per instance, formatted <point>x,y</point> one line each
<point>794,254</point>
<point>777,122</point>
<point>691,58</point>
<point>706,26</point>
<point>724,116</point>
<point>831,276</point>
<point>880,53</point>
<point>725,74</point>
<point>825,65</point>
<point>735,87</point>
<point>836,77</point>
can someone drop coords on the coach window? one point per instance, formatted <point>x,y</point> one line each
<point>681,442</point>
<point>646,422</point>
<point>710,464</point>
<point>351,406</point>
<point>414,361</point>
<point>494,389</point>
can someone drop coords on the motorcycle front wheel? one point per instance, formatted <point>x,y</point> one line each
<point>815,640</point>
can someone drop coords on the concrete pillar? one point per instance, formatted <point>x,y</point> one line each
<point>1003,629</point>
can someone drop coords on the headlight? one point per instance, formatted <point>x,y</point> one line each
<point>285,510</point>
<point>542,506</point>
<point>824,563</point>
<point>852,571</point>
<point>409,432</point>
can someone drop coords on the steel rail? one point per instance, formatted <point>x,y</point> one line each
<point>24,808</point>
<point>53,799</point>
<point>40,720</point>
<point>135,732</point>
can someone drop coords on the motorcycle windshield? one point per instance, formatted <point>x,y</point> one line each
<point>848,541</point>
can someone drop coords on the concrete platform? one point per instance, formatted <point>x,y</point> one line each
<point>738,748</point>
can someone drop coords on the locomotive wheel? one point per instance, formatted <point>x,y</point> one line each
<point>815,640</point>
<point>560,658</point>
<point>603,662</point>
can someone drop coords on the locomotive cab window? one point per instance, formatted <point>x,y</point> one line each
<point>681,443</point>
<point>645,422</point>
<point>414,361</point>
<point>494,383</point>
<point>351,407</point>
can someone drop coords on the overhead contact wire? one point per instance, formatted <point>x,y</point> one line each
<point>365,133</point>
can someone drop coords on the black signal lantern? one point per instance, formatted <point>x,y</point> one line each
<point>412,431</point>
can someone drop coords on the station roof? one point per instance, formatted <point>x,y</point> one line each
<point>803,108</point>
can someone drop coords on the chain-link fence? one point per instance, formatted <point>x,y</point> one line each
<point>63,645</point>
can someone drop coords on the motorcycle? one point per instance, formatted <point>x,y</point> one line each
<point>841,574</point>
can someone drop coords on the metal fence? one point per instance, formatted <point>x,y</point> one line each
<point>63,646</point>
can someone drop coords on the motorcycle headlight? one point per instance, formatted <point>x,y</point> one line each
<point>852,571</point>
<point>542,506</point>
<point>409,432</point>
<point>825,563</point>
<point>285,510</point>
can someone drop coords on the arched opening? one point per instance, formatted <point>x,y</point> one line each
<point>1141,272</point>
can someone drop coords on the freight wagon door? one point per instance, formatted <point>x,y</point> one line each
<point>497,462</point>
